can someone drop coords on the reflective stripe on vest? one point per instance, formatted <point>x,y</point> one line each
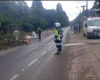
<point>58,43</point>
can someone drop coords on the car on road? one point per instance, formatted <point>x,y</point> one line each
<point>91,27</point>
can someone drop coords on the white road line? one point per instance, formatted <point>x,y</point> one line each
<point>73,44</point>
<point>43,53</point>
<point>32,62</point>
<point>14,77</point>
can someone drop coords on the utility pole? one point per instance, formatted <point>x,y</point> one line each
<point>82,18</point>
<point>87,7</point>
<point>86,4</point>
<point>83,8</point>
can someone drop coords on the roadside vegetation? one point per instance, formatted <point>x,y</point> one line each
<point>16,15</point>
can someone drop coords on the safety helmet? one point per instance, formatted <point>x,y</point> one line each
<point>57,25</point>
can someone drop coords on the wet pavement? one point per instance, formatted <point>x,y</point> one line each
<point>33,62</point>
<point>38,62</point>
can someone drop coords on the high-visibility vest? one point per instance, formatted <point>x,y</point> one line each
<point>57,34</point>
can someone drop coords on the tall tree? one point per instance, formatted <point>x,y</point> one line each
<point>16,14</point>
<point>59,8</point>
<point>37,14</point>
<point>37,4</point>
<point>37,8</point>
<point>61,16</point>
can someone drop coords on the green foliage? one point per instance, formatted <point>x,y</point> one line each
<point>17,15</point>
<point>97,7</point>
<point>39,21</point>
<point>98,1</point>
<point>61,16</point>
<point>27,27</point>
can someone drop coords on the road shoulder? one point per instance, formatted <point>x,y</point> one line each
<point>83,60</point>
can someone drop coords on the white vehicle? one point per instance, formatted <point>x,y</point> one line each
<point>91,27</point>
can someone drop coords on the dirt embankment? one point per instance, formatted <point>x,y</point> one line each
<point>84,60</point>
<point>8,40</point>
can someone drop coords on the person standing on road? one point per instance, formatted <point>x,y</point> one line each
<point>74,28</point>
<point>58,38</point>
<point>79,27</point>
<point>39,33</point>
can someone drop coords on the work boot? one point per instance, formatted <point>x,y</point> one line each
<point>56,53</point>
<point>60,52</point>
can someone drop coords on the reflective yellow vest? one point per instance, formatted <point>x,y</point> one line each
<point>57,34</point>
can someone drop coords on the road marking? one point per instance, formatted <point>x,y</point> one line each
<point>32,62</point>
<point>73,44</point>
<point>14,77</point>
<point>43,53</point>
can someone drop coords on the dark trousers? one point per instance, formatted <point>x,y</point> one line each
<point>39,36</point>
<point>75,29</point>
<point>59,48</point>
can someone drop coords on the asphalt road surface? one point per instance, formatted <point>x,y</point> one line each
<point>34,62</point>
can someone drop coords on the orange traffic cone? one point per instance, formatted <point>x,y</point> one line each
<point>27,40</point>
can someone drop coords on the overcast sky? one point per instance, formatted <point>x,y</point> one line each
<point>72,8</point>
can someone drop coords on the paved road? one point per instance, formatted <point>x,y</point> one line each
<point>33,62</point>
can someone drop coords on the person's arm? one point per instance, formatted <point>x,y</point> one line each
<point>55,38</point>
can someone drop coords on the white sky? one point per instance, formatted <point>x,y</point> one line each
<point>72,8</point>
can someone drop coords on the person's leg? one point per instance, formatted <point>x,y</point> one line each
<point>59,49</point>
<point>39,36</point>
<point>74,29</point>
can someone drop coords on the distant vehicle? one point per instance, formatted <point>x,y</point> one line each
<point>91,27</point>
